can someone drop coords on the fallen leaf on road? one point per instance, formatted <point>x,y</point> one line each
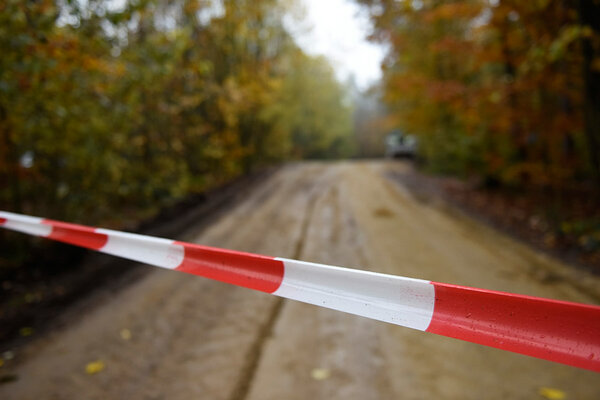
<point>552,394</point>
<point>125,334</point>
<point>320,374</point>
<point>26,331</point>
<point>94,367</point>
<point>383,213</point>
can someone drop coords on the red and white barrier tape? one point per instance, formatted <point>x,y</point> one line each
<point>558,331</point>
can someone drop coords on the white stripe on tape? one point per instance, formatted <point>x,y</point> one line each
<point>398,300</point>
<point>554,330</point>
<point>150,250</point>
<point>26,224</point>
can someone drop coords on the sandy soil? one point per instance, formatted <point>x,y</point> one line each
<point>194,338</point>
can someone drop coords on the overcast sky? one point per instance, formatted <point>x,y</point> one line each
<point>338,30</point>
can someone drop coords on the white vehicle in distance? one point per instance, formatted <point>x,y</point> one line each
<point>398,145</point>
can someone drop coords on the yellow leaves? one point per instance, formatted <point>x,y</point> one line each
<point>98,365</point>
<point>552,393</point>
<point>495,97</point>
<point>134,121</point>
<point>191,7</point>
<point>383,212</point>
<point>446,91</point>
<point>190,100</point>
<point>453,11</point>
<point>91,63</point>
<point>94,367</point>
<point>125,334</point>
<point>596,64</point>
<point>320,374</point>
<point>26,331</point>
<point>119,69</point>
<point>565,38</point>
<point>508,79</point>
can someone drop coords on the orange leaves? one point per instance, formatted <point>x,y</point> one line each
<point>467,75</point>
<point>450,44</point>
<point>446,91</point>
<point>453,11</point>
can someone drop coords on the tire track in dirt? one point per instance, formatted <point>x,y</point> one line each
<point>242,388</point>
<point>309,340</point>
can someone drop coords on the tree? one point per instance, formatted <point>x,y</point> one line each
<point>110,111</point>
<point>494,89</point>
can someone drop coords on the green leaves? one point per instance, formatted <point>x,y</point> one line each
<point>126,109</point>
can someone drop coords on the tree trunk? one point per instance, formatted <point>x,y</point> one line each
<point>12,162</point>
<point>589,15</point>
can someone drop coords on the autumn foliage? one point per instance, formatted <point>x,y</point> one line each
<point>111,111</point>
<point>504,90</point>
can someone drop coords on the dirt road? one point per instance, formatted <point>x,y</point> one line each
<point>194,338</point>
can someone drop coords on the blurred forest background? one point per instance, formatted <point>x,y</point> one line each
<point>507,90</point>
<point>505,94</point>
<point>110,111</point>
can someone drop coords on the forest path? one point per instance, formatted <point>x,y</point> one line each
<point>195,338</point>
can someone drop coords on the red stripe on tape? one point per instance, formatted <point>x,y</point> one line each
<point>2,221</point>
<point>550,329</point>
<point>242,269</point>
<point>79,235</point>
